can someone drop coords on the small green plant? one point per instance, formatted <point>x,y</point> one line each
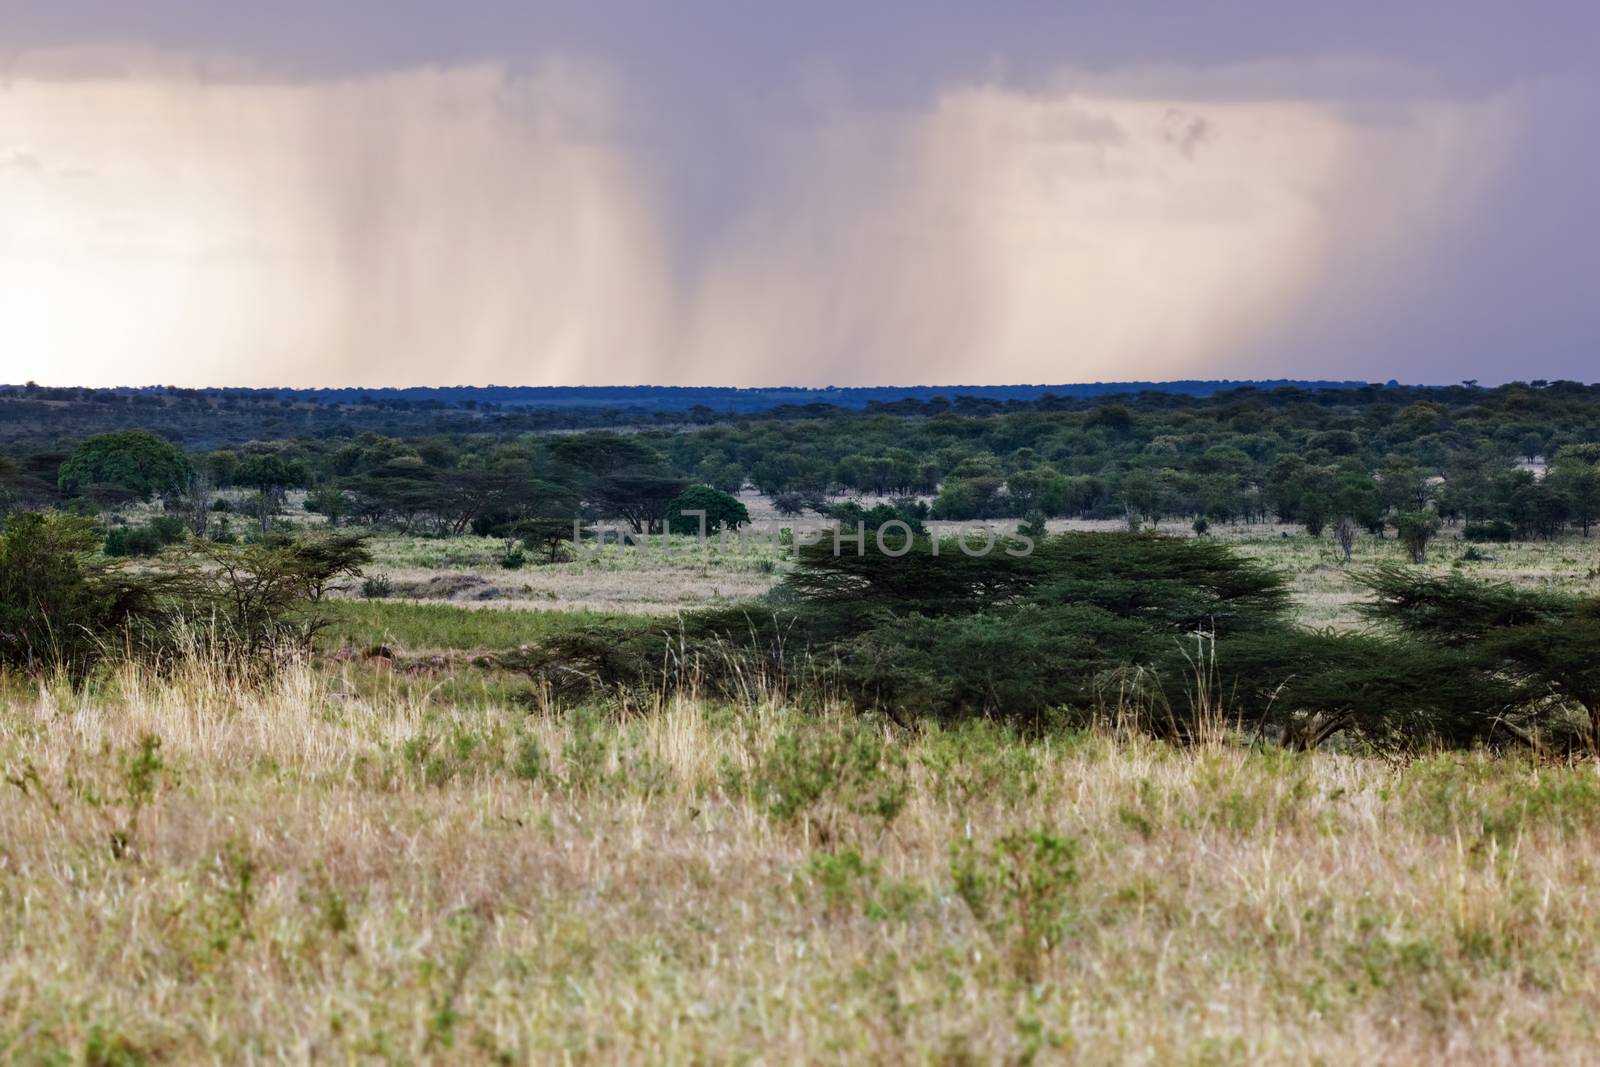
<point>230,914</point>
<point>819,776</point>
<point>586,752</point>
<point>529,763</point>
<point>141,774</point>
<point>844,877</point>
<point>377,586</point>
<point>463,936</point>
<point>108,1048</point>
<point>1020,891</point>
<point>849,882</point>
<point>513,558</point>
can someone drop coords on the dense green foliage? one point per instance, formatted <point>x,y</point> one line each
<point>720,511</point>
<point>135,461</point>
<point>1545,643</point>
<point>1522,455</point>
<point>1168,632</point>
<point>59,600</point>
<point>64,606</point>
<point>147,539</point>
<point>924,626</point>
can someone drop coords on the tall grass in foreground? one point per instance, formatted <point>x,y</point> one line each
<point>334,867</point>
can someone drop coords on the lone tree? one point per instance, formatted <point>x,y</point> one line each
<point>272,476</point>
<point>130,461</point>
<point>622,477</point>
<point>1415,530</point>
<point>1344,535</point>
<point>721,511</point>
<point>789,505</point>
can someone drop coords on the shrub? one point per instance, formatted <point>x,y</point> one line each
<point>376,586</point>
<point>63,607</point>
<point>59,602</point>
<point>1495,531</point>
<point>147,540</point>
<point>1416,529</point>
<point>1020,891</point>
<point>789,505</point>
<point>937,633</point>
<point>1539,640</point>
<point>1387,691</point>
<point>820,777</point>
<point>513,558</point>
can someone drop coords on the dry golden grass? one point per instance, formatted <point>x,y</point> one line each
<point>613,578</point>
<point>306,874</point>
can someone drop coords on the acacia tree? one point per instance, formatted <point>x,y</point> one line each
<point>272,476</point>
<point>621,477</point>
<point>1543,640</point>
<point>257,595</point>
<point>714,511</point>
<point>134,462</point>
<point>1577,478</point>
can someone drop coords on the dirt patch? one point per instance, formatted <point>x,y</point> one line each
<point>450,587</point>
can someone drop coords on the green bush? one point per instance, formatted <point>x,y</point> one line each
<point>132,461</point>
<point>147,540</point>
<point>1495,531</point>
<point>1542,642</point>
<point>722,511</point>
<point>60,602</point>
<point>1020,890</point>
<point>64,607</point>
<point>377,586</point>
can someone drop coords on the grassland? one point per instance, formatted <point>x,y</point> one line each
<point>309,874</point>
<point>465,571</point>
<point>409,857</point>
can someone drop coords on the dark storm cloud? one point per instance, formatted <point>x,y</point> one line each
<point>712,155</point>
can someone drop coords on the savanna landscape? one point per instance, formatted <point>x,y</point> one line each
<point>414,749</point>
<point>912,532</point>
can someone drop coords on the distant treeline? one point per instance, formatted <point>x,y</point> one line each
<point>1516,461</point>
<point>202,418</point>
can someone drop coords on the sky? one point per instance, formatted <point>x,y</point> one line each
<point>717,193</point>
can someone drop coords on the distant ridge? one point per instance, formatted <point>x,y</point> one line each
<point>726,399</point>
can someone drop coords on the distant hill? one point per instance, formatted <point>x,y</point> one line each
<point>53,416</point>
<point>655,399</point>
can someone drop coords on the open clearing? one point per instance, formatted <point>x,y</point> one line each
<point>465,572</point>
